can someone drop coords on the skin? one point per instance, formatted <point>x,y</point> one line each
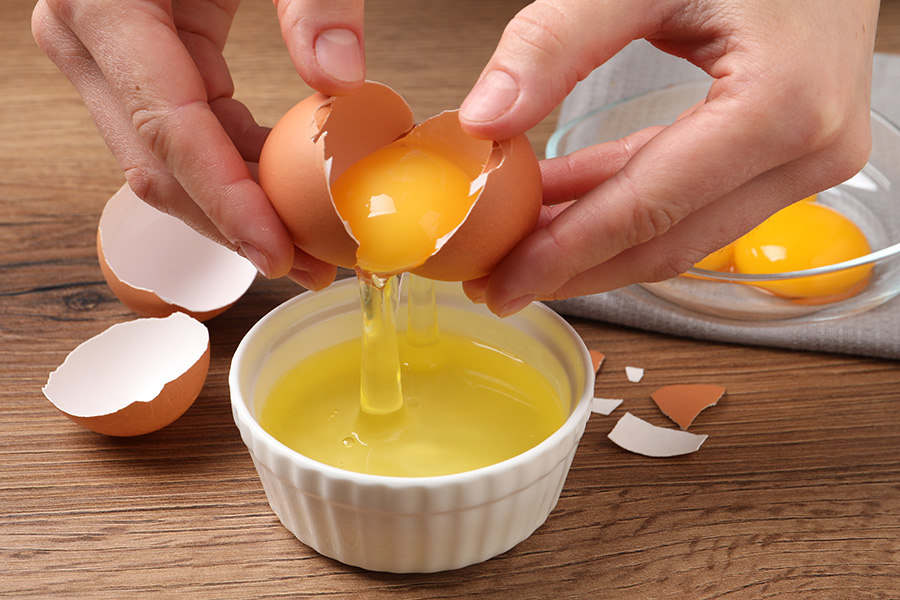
<point>786,116</point>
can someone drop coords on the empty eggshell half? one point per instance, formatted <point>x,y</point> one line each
<point>134,378</point>
<point>320,137</point>
<point>156,265</point>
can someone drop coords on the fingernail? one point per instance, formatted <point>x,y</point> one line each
<point>514,306</point>
<point>256,257</point>
<point>340,55</point>
<point>303,278</point>
<point>492,96</point>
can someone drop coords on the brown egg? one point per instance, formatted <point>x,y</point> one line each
<point>318,139</point>
<point>134,378</point>
<point>156,265</point>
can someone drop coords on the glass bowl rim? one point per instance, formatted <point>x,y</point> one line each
<point>552,151</point>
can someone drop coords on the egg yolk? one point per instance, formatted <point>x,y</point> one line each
<point>400,202</point>
<point>720,260</point>
<point>802,236</point>
<point>723,258</point>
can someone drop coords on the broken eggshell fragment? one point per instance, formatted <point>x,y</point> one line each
<point>683,402</point>
<point>156,265</point>
<point>318,139</point>
<point>135,377</point>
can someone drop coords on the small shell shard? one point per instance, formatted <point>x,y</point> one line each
<point>682,403</point>
<point>597,359</point>
<point>636,435</point>
<point>605,406</point>
<point>634,374</point>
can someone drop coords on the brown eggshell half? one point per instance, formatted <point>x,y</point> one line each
<point>506,210</point>
<point>156,265</point>
<point>310,146</point>
<point>134,378</point>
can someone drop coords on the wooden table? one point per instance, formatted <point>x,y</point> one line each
<point>796,494</point>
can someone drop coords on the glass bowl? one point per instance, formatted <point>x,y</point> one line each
<point>870,199</point>
<point>410,524</point>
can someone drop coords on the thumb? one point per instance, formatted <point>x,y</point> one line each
<point>545,50</point>
<point>325,42</point>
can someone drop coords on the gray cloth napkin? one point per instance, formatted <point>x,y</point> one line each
<point>641,68</point>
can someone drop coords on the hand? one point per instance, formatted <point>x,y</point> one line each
<point>787,115</point>
<point>155,82</point>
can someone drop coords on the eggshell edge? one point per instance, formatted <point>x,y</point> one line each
<point>144,302</point>
<point>140,418</point>
<point>506,211</point>
<point>329,122</point>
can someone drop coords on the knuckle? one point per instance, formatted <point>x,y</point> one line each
<point>649,216</point>
<point>819,125</point>
<point>669,265</point>
<point>535,27</point>
<point>150,124</point>
<point>649,222</point>
<point>145,186</point>
<point>540,32</point>
<point>158,124</point>
<point>831,130</point>
<point>48,28</point>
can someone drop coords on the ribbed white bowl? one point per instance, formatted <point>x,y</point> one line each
<point>409,524</point>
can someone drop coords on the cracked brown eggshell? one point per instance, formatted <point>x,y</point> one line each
<point>319,138</point>
<point>135,377</point>
<point>155,264</point>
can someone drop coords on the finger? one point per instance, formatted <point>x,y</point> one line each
<point>245,133</point>
<point>544,51</point>
<point>697,159</point>
<point>64,48</point>
<point>67,52</point>
<point>568,177</point>
<point>310,272</point>
<point>700,233</point>
<point>325,42</point>
<point>476,289</point>
<point>169,110</point>
<point>573,175</point>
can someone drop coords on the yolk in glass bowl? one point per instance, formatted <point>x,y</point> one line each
<point>803,236</point>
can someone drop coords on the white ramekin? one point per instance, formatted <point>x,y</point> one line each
<point>409,524</point>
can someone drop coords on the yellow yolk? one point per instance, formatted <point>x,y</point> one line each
<point>399,203</point>
<point>802,236</point>
<point>720,260</point>
<point>723,258</point>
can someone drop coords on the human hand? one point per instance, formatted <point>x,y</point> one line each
<point>156,84</point>
<point>787,115</point>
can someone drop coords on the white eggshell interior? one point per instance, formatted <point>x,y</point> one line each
<point>636,435</point>
<point>153,251</point>
<point>129,362</point>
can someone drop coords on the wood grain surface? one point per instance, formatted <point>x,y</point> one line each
<point>796,493</point>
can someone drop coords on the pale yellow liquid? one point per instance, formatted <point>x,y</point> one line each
<point>466,406</point>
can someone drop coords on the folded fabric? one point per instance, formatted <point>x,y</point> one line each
<point>640,68</point>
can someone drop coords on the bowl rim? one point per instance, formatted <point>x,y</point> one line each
<point>244,419</point>
<point>552,151</point>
